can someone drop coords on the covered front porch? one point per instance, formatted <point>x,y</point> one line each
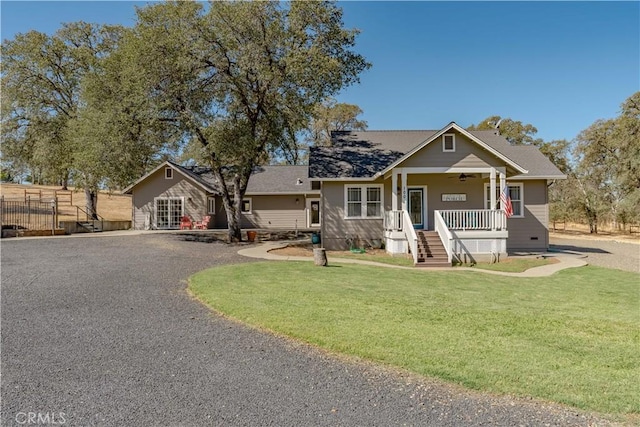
<point>420,214</point>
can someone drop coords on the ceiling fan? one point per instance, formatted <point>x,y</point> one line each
<point>463,176</point>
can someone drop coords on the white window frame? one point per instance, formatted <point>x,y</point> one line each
<point>250,211</point>
<point>453,142</point>
<point>363,200</point>
<point>513,202</point>
<point>155,211</point>
<point>211,204</point>
<point>168,173</point>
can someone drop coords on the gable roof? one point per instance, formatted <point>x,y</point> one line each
<point>369,154</point>
<point>285,179</point>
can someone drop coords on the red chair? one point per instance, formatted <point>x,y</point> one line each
<point>185,223</point>
<point>202,225</point>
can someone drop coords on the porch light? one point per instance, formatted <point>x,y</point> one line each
<point>462,177</point>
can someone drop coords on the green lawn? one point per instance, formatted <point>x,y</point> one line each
<point>572,337</point>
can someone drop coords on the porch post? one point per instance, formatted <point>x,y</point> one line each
<point>503,182</point>
<point>404,190</point>
<point>394,190</point>
<point>492,189</point>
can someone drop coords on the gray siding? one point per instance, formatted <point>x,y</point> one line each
<point>468,154</point>
<point>535,224</point>
<point>156,185</point>
<point>269,212</point>
<point>335,227</point>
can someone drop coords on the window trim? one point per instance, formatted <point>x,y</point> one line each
<point>509,184</point>
<point>363,200</point>
<point>211,203</point>
<point>453,141</point>
<point>250,211</point>
<point>168,173</point>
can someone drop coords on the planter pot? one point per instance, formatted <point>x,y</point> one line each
<point>251,236</point>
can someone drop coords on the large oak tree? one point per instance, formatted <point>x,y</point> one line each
<point>242,78</point>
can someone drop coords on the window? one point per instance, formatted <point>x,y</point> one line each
<point>516,193</point>
<point>168,173</point>
<point>245,206</point>
<point>211,205</point>
<point>315,185</point>
<point>363,201</point>
<point>449,142</point>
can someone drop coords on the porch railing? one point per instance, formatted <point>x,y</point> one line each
<point>474,219</point>
<point>445,235</point>
<point>401,221</point>
<point>393,220</point>
<point>410,234</point>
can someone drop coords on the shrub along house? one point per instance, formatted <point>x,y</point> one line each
<point>434,194</point>
<point>277,197</point>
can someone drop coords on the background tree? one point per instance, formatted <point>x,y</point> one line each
<point>41,85</point>
<point>242,78</point>
<point>331,115</point>
<point>516,132</point>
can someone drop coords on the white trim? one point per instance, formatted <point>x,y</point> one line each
<point>364,178</point>
<point>309,202</point>
<point>211,200</point>
<point>444,144</point>
<point>464,132</point>
<point>250,211</point>
<point>283,193</point>
<point>363,201</point>
<point>157,168</point>
<point>510,184</point>
<point>155,211</point>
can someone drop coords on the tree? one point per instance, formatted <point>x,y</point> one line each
<point>516,132</point>
<point>242,78</point>
<point>41,86</point>
<point>331,115</point>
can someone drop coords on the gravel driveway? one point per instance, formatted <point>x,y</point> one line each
<point>101,331</point>
<point>603,253</point>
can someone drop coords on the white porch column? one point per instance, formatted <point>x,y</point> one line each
<point>404,190</point>
<point>394,190</point>
<point>492,189</point>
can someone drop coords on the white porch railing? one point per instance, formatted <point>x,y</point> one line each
<point>393,221</point>
<point>474,219</point>
<point>445,235</point>
<point>401,221</point>
<point>410,233</point>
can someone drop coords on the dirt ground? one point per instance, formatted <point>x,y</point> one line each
<point>114,207</point>
<point>307,250</point>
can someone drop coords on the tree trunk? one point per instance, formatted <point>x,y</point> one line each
<point>320,257</point>
<point>91,196</point>
<point>65,180</point>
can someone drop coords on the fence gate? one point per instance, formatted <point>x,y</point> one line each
<point>28,214</point>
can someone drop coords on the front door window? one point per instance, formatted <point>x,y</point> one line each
<point>416,207</point>
<point>314,213</point>
<point>168,213</point>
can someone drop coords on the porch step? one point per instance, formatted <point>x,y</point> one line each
<point>431,252</point>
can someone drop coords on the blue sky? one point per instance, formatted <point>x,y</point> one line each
<point>557,65</point>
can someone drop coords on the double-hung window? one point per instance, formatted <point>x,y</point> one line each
<point>363,201</point>
<point>515,193</point>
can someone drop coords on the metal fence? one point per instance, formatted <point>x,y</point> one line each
<point>28,214</point>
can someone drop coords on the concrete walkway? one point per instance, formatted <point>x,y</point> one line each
<point>261,251</point>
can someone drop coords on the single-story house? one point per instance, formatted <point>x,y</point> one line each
<point>277,197</point>
<point>433,193</point>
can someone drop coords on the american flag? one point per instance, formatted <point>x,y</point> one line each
<point>505,199</point>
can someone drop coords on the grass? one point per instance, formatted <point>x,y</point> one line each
<point>514,265</point>
<point>384,259</point>
<point>572,337</point>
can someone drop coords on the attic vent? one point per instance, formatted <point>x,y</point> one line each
<point>315,185</point>
<point>298,181</point>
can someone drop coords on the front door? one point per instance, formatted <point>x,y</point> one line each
<point>416,207</point>
<point>313,207</point>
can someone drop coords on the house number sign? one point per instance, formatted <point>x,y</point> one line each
<point>454,197</point>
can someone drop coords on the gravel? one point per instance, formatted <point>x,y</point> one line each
<point>102,331</point>
<point>603,253</point>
